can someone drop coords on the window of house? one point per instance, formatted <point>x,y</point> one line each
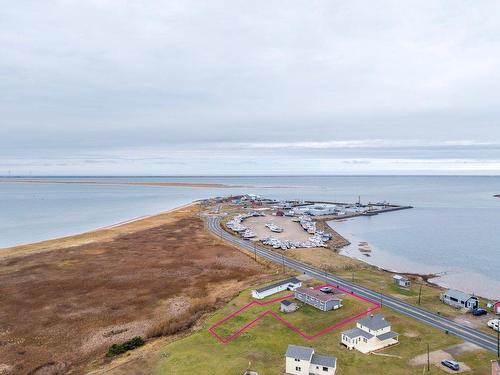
<point>298,369</point>
<point>297,360</point>
<point>325,368</point>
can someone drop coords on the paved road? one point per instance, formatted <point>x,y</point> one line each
<point>488,342</point>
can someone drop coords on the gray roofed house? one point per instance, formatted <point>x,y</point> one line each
<point>320,300</point>
<point>401,281</point>
<point>300,352</point>
<point>387,335</point>
<point>371,333</point>
<point>374,322</point>
<point>302,360</point>
<point>356,332</point>
<point>459,300</point>
<point>323,360</point>
<point>287,306</point>
<point>291,283</point>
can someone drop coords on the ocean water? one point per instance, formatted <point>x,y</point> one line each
<point>454,229</point>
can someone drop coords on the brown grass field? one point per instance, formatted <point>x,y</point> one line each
<point>62,306</point>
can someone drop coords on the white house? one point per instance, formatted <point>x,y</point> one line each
<point>401,281</point>
<point>371,333</point>
<point>320,300</point>
<point>287,306</point>
<point>288,284</point>
<point>459,300</point>
<point>301,360</point>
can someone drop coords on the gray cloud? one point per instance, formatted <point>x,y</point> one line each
<point>102,80</point>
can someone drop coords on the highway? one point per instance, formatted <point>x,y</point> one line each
<point>488,342</point>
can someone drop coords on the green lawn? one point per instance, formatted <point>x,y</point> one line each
<point>311,320</point>
<point>262,348</point>
<point>307,318</point>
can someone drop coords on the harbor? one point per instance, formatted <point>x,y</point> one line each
<point>294,224</point>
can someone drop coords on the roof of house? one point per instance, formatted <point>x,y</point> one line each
<point>356,332</point>
<point>299,352</point>
<point>374,322</point>
<point>317,294</point>
<point>323,360</point>
<point>287,302</point>
<point>461,296</point>
<point>292,280</point>
<point>399,277</point>
<point>388,335</point>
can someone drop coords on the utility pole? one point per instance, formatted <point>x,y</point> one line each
<point>255,250</point>
<point>283,262</point>
<point>498,339</point>
<point>428,359</point>
<point>381,295</point>
<point>420,294</point>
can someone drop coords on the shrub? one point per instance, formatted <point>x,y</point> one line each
<point>131,344</point>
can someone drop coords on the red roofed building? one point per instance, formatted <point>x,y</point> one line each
<point>496,308</point>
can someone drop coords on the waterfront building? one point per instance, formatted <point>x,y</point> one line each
<point>401,281</point>
<point>459,300</point>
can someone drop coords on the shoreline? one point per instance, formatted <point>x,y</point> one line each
<point>441,279</point>
<point>150,277</point>
<point>103,233</point>
<point>112,231</point>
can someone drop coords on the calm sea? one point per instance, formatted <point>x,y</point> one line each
<point>454,229</point>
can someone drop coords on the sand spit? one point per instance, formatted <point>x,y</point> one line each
<point>62,309</point>
<point>112,183</point>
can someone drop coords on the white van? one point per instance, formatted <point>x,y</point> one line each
<point>494,324</point>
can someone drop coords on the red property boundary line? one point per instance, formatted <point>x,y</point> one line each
<point>225,340</point>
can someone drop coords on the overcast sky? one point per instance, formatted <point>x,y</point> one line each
<point>249,87</point>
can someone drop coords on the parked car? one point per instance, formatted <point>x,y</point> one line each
<point>479,311</point>
<point>494,324</point>
<point>451,364</point>
<point>326,289</point>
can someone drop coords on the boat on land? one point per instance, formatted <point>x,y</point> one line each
<point>274,228</point>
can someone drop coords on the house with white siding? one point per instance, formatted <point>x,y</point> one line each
<point>370,334</point>
<point>301,360</point>
<point>287,306</point>
<point>288,284</point>
<point>320,300</point>
<point>401,281</point>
